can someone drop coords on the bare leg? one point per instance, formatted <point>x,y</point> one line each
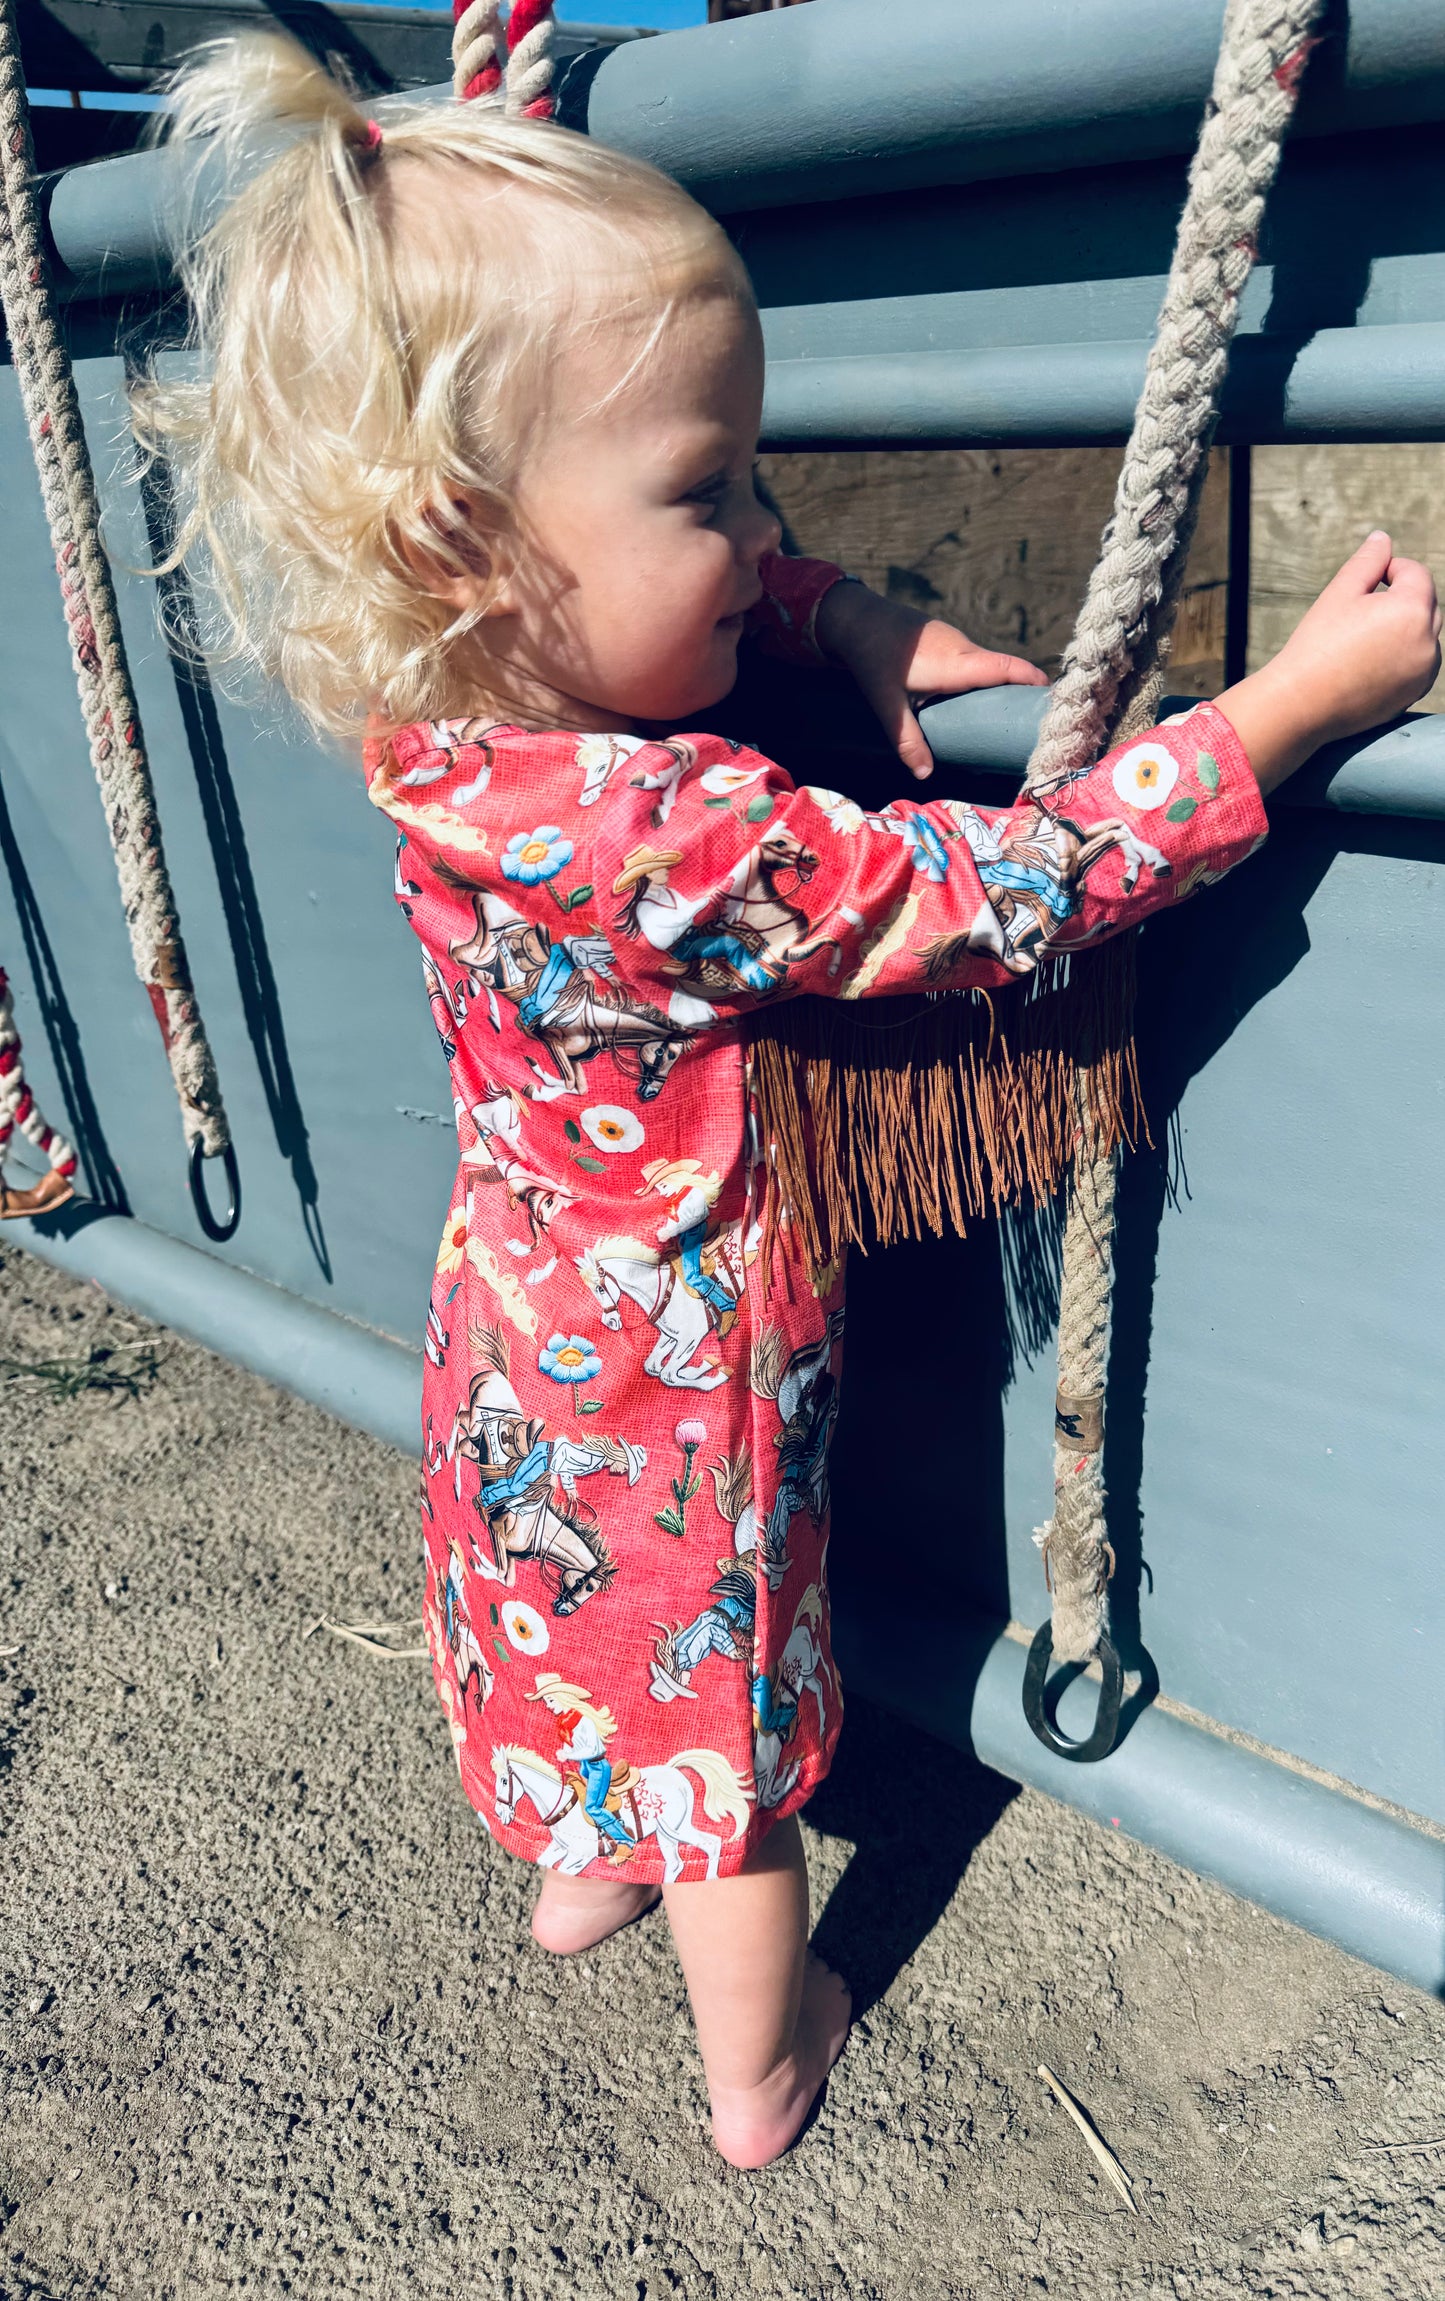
<point>771,2018</point>
<point>573,1914</point>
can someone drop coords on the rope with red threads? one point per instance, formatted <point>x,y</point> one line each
<point>107,696</point>
<point>481,53</point>
<point>18,1108</point>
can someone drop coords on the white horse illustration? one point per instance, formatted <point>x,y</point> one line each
<point>618,1267</point>
<point>662,1802</point>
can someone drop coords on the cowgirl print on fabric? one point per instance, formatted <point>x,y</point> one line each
<point>625,1484</point>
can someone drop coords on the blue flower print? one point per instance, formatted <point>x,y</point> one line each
<point>569,1358</point>
<point>531,856</point>
<point>929,854</point>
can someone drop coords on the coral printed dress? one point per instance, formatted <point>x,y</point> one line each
<point>626,1434</point>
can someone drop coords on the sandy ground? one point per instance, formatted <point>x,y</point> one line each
<point>270,2022</point>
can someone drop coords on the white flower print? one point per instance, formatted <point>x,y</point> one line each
<point>721,782</point>
<point>610,1127</point>
<point>1144,775</point>
<point>525,1627</point>
<point>844,815</point>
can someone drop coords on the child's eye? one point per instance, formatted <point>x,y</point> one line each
<point>709,491</point>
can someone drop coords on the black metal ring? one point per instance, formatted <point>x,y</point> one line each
<point>226,1227</point>
<point>1101,1741</point>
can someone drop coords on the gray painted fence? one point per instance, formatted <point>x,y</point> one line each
<point>1282,1253</point>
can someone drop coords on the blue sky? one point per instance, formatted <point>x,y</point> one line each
<point>662,15</point>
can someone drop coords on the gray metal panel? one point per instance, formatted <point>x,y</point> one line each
<point>1344,383</point>
<point>1352,237</point>
<point>810,106</point>
<point>824,103</point>
<point>311,979</point>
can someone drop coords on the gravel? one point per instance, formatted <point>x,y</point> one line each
<point>270,2020</point>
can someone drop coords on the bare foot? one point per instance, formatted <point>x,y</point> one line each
<point>753,2124</point>
<point>574,1914</point>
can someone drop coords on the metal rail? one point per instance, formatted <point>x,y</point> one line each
<point>1378,383</point>
<point>1396,770</point>
<point>825,103</point>
<point>807,105</point>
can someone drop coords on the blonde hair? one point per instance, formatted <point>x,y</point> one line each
<point>376,342</point>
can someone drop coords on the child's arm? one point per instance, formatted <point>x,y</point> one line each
<point>730,887</point>
<point>721,886</point>
<point>1361,655</point>
<point>808,611</point>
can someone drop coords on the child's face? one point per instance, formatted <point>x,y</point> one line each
<point>642,532</point>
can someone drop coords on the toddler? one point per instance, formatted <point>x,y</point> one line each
<point>469,457</point>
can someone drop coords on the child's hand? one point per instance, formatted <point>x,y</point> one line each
<point>896,654</point>
<point>1361,655</point>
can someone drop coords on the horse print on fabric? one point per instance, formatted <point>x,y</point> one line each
<point>627,1409</point>
<point>1033,877</point>
<point>526,1500</point>
<point>724,1626</point>
<point>805,1389</point>
<point>500,1155</point>
<point>564,998</point>
<point>744,940</point>
<point>471,1669</point>
<point>597,1809</point>
<point>803,1667</point>
<point>687,1296</point>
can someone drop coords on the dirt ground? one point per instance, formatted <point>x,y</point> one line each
<point>270,2021</point>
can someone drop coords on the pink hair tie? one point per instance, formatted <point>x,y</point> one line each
<point>373,135</point>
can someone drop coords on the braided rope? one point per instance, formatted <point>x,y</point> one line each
<point>476,47</point>
<point>18,1108</point>
<point>72,510</point>
<point>530,37</point>
<point>1113,672</point>
<point>479,51</point>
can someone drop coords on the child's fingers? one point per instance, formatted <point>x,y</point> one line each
<point>1413,583</point>
<point>905,734</point>
<point>913,746</point>
<point>1365,569</point>
<point>990,670</point>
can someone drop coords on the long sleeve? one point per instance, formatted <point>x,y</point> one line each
<point>784,622</point>
<point>720,885</point>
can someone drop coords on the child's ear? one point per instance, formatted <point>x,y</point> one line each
<point>458,555</point>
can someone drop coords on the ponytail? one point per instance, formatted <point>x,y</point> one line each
<point>377,319</point>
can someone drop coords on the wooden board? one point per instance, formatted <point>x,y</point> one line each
<point>1312,505</point>
<point>1002,541</point>
<point>999,541</point>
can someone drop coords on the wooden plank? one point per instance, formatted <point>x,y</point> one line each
<point>1000,541</point>
<point>1312,505</point>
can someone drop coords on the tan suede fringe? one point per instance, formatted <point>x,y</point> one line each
<point>895,1118</point>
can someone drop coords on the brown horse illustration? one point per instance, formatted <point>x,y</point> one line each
<point>755,933</point>
<point>564,1000</point>
<point>1033,879</point>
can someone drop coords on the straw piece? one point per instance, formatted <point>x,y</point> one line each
<point>358,1634</point>
<point>1406,2148</point>
<point>1099,2148</point>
